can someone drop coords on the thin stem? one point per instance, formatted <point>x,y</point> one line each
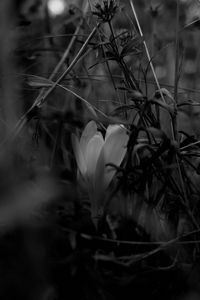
<point>73,63</point>
<point>147,51</point>
<point>109,71</point>
<point>130,79</point>
<point>177,47</point>
<point>66,53</point>
<point>176,77</point>
<point>174,119</point>
<point>56,143</point>
<point>40,100</point>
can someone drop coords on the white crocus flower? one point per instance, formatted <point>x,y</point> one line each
<point>93,153</point>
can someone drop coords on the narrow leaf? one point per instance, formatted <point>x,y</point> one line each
<point>39,82</point>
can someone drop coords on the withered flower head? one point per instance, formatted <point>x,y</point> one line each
<point>106,10</point>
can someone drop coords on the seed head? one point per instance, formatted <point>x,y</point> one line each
<point>106,10</point>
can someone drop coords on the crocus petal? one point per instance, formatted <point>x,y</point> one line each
<point>111,129</point>
<point>93,150</point>
<point>80,160</point>
<point>113,152</point>
<point>89,131</point>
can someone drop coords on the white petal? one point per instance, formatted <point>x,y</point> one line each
<point>93,150</point>
<point>113,128</point>
<point>80,160</point>
<point>113,151</point>
<point>89,131</point>
<point>99,190</point>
